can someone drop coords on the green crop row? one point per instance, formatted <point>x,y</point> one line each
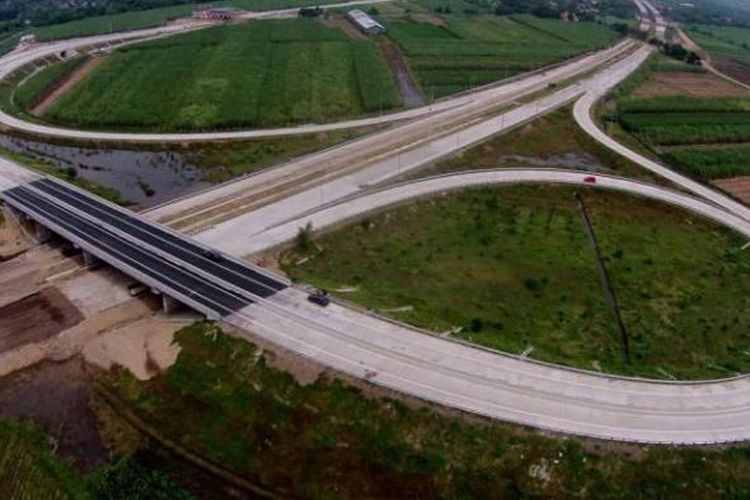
<point>712,163</point>
<point>682,104</point>
<point>266,73</point>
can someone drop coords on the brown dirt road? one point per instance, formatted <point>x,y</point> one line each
<point>68,83</point>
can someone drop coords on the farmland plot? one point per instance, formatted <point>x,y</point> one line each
<point>260,74</point>
<point>474,50</point>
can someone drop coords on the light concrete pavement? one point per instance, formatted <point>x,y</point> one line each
<point>238,234</point>
<point>355,207</point>
<point>583,115</point>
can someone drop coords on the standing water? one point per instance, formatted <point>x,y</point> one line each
<point>145,178</point>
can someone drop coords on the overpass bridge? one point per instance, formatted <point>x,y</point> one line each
<point>171,264</point>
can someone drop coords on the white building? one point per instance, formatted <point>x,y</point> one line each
<point>364,22</point>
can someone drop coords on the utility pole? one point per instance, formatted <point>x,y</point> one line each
<point>609,292</point>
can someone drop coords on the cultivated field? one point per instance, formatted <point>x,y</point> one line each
<point>259,74</point>
<point>728,47</point>
<point>512,268</point>
<point>475,50</point>
<point>696,121</point>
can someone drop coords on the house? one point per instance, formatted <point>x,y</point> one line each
<point>365,23</point>
<point>216,14</point>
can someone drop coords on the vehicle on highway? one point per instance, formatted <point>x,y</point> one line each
<point>320,298</point>
<point>589,179</point>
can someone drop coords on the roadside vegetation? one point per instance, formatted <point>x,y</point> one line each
<point>293,71</point>
<point>511,268</point>
<point>729,47</point>
<point>224,401</point>
<point>461,52</point>
<point>693,120</point>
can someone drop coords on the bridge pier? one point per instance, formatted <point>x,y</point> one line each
<point>169,305</point>
<point>41,233</point>
<point>90,260</point>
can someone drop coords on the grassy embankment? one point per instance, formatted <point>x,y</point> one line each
<point>224,401</point>
<point>554,141</point>
<point>724,42</point>
<point>293,71</point>
<point>468,51</point>
<point>512,267</point>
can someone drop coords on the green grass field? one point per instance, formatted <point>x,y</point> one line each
<point>475,50</point>
<point>36,86</point>
<point>225,400</point>
<point>259,74</point>
<point>513,268</point>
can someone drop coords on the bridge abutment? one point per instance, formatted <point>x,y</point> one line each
<point>90,260</point>
<point>169,304</point>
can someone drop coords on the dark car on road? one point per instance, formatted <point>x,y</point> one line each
<point>320,297</point>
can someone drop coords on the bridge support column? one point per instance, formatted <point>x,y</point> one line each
<point>90,260</point>
<point>169,305</point>
<point>14,212</point>
<point>41,233</point>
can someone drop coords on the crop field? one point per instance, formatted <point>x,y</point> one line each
<point>511,268</point>
<point>710,164</point>
<point>28,469</point>
<point>290,71</point>
<point>150,18</point>
<point>723,42</point>
<point>475,50</point>
<point>684,120</point>
<point>226,400</point>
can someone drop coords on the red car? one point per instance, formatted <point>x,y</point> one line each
<point>590,179</point>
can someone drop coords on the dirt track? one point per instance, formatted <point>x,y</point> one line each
<point>71,80</point>
<point>689,84</point>
<point>35,318</point>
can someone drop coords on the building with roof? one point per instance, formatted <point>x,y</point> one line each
<point>216,14</point>
<point>364,22</point>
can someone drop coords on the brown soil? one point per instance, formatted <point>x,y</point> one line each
<point>689,84</point>
<point>13,240</point>
<point>35,318</point>
<point>56,395</point>
<point>65,85</point>
<point>739,187</point>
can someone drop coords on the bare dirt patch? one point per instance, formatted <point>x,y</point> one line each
<point>35,318</point>
<point>739,187</point>
<point>673,83</point>
<point>407,87</point>
<point>66,84</point>
<point>144,347</point>
<point>56,395</point>
<point>13,240</point>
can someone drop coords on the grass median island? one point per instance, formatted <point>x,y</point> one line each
<point>467,51</point>
<point>224,401</point>
<point>513,269</point>
<point>257,74</point>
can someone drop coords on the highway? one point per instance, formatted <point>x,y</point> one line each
<point>234,229</point>
<point>394,356</point>
<point>156,256</point>
<point>486,96</point>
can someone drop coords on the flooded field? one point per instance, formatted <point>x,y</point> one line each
<point>144,178</point>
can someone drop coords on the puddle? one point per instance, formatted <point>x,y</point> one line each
<point>145,178</point>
